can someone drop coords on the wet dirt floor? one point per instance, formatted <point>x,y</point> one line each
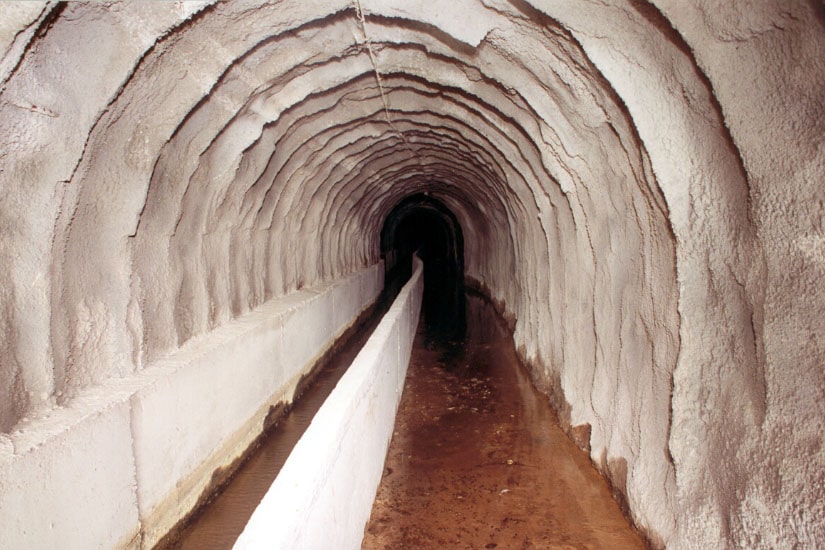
<point>478,459</point>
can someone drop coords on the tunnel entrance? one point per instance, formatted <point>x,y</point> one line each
<point>424,224</point>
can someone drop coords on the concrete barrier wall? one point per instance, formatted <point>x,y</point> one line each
<point>126,460</point>
<point>323,496</point>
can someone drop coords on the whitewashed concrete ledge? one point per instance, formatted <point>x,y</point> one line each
<point>127,459</point>
<point>323,496</point>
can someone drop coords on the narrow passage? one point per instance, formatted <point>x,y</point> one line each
<point>219,522</point>
<point>478,459</point>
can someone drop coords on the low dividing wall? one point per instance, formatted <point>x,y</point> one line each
<point>126,460</point>
<point>323,496</point>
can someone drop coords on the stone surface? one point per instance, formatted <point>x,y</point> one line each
<point>639,185</point>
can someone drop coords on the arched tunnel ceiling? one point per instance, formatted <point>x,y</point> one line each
<point>632,180</point>
<point>316,128</point>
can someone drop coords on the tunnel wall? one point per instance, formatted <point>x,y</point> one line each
<point>128,459</point>
<point>639,184</point>
<point>323,496</point>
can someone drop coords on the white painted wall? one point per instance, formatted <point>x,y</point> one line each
<point>139,451</point>
<point>323,496</point>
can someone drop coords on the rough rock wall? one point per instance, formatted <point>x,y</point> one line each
<point>766,66</point>
<point>639,184</point>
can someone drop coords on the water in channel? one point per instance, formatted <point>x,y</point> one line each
<point>477,459</point>
<point>218,524</point>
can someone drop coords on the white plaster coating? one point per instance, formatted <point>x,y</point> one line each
<point>125,461</point>
<point>75,487</point>
<point>639,186</point>
<point>17,28</point>
<point>451,17</point>
<point>210,406</point>
<point>323,495</point>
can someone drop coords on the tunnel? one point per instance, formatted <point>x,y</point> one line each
<point>424,226</point>
<point>198,197</point>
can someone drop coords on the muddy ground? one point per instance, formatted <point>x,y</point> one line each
<point>478,459</point>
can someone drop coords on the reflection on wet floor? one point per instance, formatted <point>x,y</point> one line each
<point>478,460</point>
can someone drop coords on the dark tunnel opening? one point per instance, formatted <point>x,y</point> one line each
<point>423,224</point>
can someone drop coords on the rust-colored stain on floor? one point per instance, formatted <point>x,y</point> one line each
<point>478,459</point>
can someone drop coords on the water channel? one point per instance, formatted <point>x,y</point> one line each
<point>477,459</point>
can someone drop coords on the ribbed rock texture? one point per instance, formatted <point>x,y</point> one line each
<point>640,185</point>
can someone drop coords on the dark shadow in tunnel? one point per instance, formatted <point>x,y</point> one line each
<point>424,224</point>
